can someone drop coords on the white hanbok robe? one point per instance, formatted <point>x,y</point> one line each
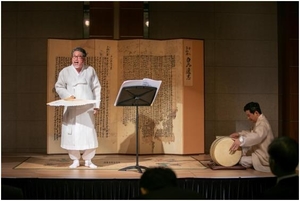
<point>258,140</point>
<point>78,124</point>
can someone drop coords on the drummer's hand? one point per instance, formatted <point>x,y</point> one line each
<point>234,135</point>
<point>235,145</point>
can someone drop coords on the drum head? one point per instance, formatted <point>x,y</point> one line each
<point>220,154</point>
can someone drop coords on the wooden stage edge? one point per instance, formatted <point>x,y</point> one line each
<point>104,184</point>
<point>10,161</point>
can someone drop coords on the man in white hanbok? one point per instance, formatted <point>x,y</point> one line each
<point>79,81</point>
<point>254,142</point>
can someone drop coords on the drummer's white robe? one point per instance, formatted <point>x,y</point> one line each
<point>78,124</point>
<point>258,140</point>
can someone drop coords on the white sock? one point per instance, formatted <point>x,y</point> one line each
<point>75,164</point>
<point>88,163</point>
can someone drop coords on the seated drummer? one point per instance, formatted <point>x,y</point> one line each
<point>254,142</point>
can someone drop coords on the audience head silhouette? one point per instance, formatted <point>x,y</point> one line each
<point>161,183</point>
<point>284,156</point>
<point>157,178</point>
<point>284,159</point>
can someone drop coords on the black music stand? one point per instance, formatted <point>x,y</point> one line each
<point>136,96</point>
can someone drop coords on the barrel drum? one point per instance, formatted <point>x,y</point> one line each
<point>220,154</point>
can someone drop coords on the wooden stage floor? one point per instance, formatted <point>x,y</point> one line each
<point>10,161</point>
<point>85,183</point>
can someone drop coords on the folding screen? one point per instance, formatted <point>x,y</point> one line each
<point>174,124</point>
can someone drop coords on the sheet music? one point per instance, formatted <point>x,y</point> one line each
<point>144,82</point>
<point>73,102</point>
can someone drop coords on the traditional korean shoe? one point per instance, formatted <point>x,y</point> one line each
<point>75,164</point>
<point>88,163</point>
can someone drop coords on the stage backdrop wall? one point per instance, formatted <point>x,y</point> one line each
<point>174,124</point>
